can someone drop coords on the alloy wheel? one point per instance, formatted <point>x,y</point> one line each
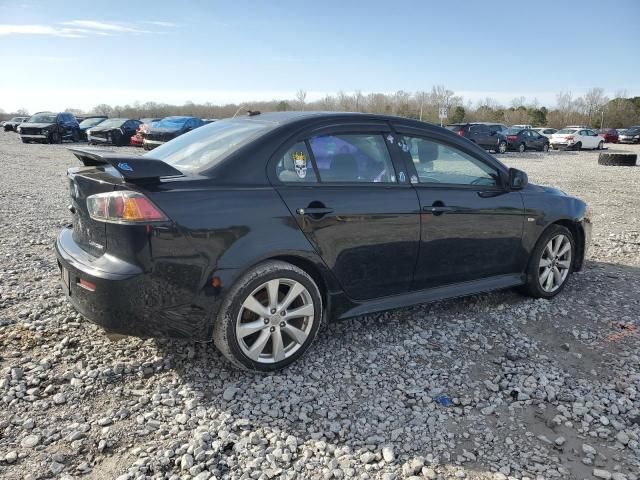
<point>555,263</point>
<point>275,320</point>
<point>521,148</point>
<point>502,147</point>
<point>545,148</point>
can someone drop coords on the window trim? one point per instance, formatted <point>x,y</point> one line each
<point>501,185</point>
<point>380,127</point>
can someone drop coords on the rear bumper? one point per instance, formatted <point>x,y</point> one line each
<point>126,300</point>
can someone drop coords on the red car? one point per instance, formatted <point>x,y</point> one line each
<point>136,140</point>
<point>610,135</point>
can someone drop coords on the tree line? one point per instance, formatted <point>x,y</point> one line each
<point>594,108</point>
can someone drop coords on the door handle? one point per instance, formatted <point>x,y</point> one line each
<point>437,209</point>
<point>313,211</point>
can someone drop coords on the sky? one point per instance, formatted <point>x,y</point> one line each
<point>68,54</point>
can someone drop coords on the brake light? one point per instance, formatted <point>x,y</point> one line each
<point>513,138</point>
<point>569,137</point>
<point>461,132</point>
<point>123,207</point>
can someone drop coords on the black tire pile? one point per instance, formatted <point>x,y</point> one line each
<point>618,159</point>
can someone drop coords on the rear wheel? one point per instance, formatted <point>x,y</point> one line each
<point>522,147</point>
<point>545,147</point>
<point>502,147</point>
<point>600,145</point>
<point>578,146</point>
<point>269,318</point>
<point>551,263</point>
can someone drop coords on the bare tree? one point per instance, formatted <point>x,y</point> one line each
<point>301,96</point>
<point>595,101</point>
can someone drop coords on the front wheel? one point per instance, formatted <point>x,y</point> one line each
<point>545,148</point>
<point>550,263</point>
<point>502,147</point>
<point>522,147</point>
<point>600,145</point>
<point>269,318</point>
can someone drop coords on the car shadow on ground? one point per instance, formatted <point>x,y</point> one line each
<point>426,379</point>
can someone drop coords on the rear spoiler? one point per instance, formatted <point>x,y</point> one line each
<point>132,168</point>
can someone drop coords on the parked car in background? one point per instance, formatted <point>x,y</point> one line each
<point>89,122</point>
<point>173,243</point>
<point>207,121</point>
<point>521,139</point>
<point>630,135</point>
<point>167,129</point>
<point>610,135</point>
<point>50,127</point>
<point>490,136</point>
<point>547,132</point>
<point>576,138</point>
<point>138,139</point>
<point>12,125</point>
<point>113,131</point>
<point>522,127</point>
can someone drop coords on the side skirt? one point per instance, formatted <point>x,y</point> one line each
<point>432,295</point>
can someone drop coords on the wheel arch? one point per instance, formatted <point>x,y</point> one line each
<point>578,237</point>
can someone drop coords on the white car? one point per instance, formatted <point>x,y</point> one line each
<point>546,132</point>
<point>576,139</point>
<point>522,127</point>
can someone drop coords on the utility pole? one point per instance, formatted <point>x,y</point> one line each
<point>602,120</point>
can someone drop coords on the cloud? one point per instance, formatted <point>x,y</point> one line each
<point>81,28</point>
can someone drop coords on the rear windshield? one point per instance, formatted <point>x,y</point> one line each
<point>205,146</point>
<point>91,122</point>
<point>513,131</point>
<point>567,130</point>
<point>43,118</point>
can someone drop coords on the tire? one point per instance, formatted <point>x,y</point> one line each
<point>545,148</point>
<point>600,146</point>
<point>55,138</point>
<point>578,146</point>
<point>24,140</point>
<point>116,138</point>
<point>618,159</point>
<point>538,284</point>
<point>75,136</point>
<point>502,147</point>
<point>522,148</point>
<point>268,327</point>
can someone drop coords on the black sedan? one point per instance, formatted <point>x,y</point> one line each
<point>526,139</point>
<point>14,123</point>
<point>252,232</point>
<point>113,131</point>
<point>167,129</point>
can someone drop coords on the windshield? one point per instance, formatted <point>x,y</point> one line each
<point>206,146</point>
<point>171,122</point>
<point>564,131</point>
<point>43,118</point>
<point>91,122</point>
<point>113,122</point>
<point>16,119</point>
<point>632,131</point>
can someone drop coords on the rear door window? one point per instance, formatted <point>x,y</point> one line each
<point>295,166</point>
<point>360,158</point>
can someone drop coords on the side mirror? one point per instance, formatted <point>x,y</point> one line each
<point>517,179</point>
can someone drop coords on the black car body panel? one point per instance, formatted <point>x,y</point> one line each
<point>369,246</point>
<point>89,122</point>
<point>50,127</point>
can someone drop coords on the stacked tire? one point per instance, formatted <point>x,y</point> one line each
<point>618,159</point>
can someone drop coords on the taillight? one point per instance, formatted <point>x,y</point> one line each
<point>512,138</point>
<point>461,132</point>
<point>123,207</point>
<point>569,137</point>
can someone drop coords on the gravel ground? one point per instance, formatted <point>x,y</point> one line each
<point>493,386</point>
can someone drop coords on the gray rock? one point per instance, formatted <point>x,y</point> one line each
<point>604,474</point>
<point>30,441</point>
